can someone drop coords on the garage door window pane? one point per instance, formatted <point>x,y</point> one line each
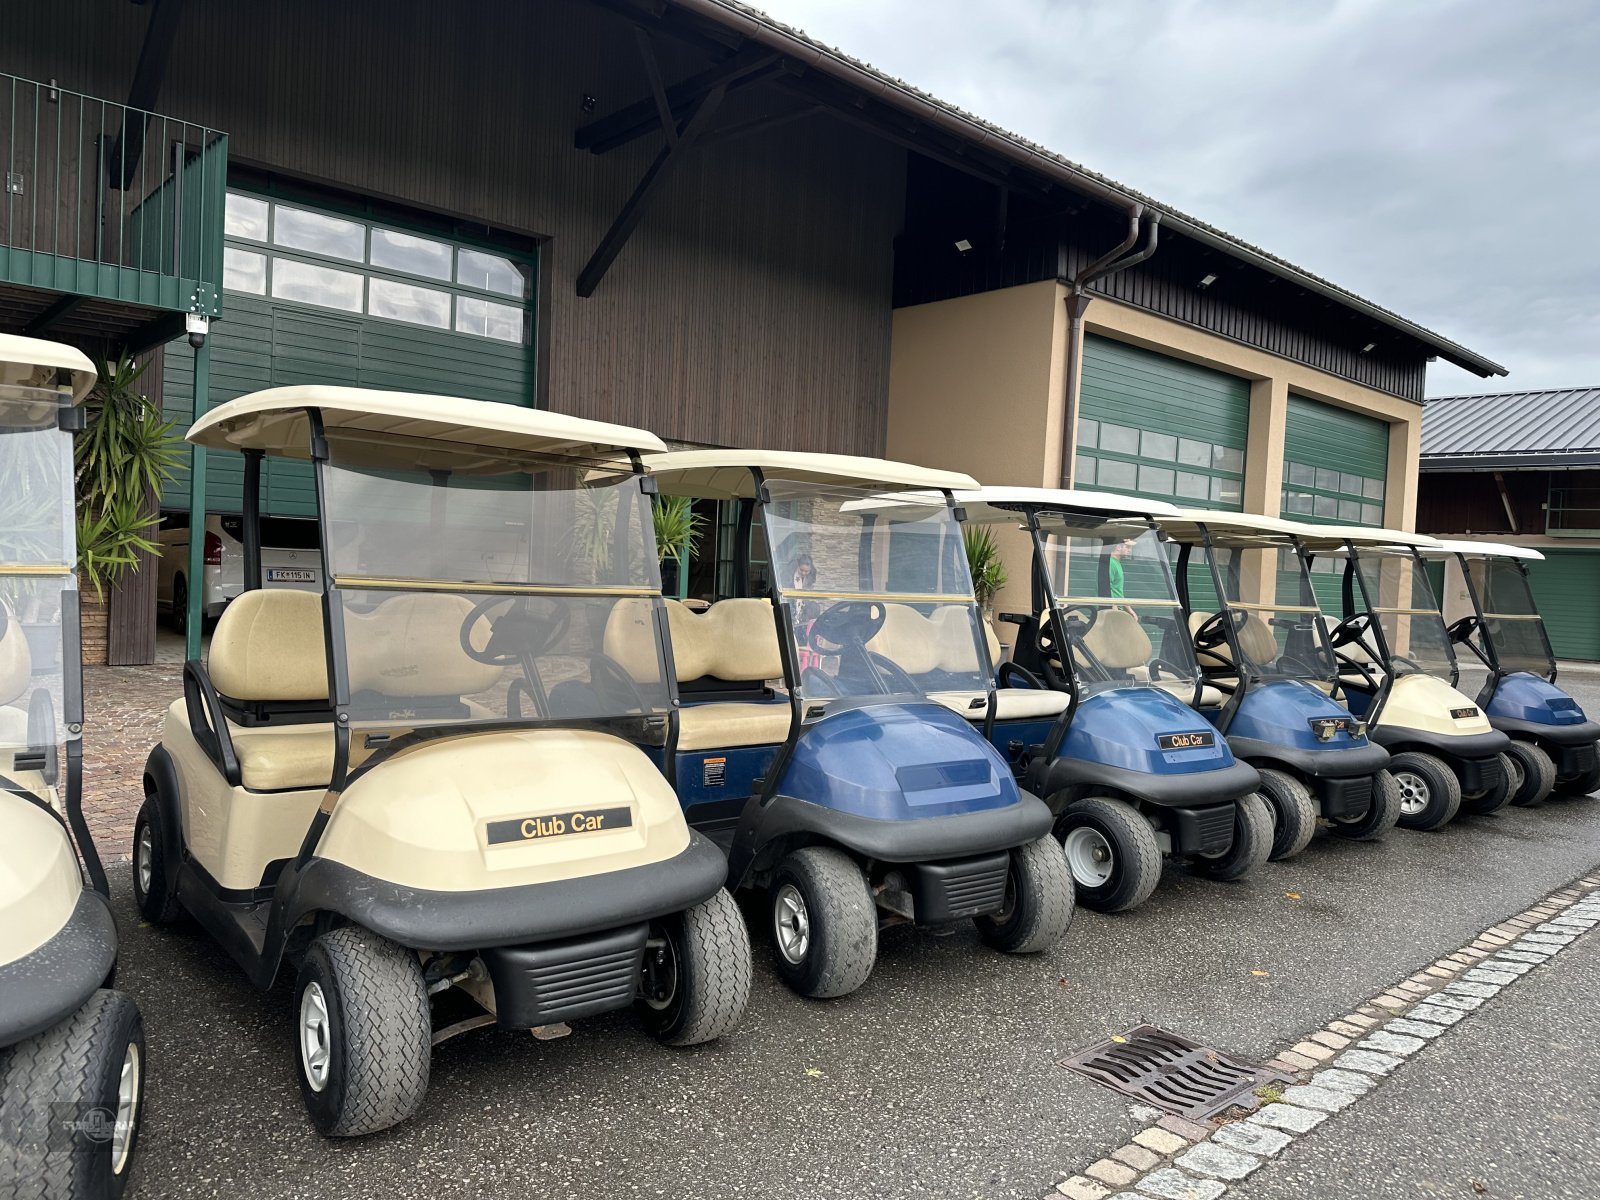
<point>1155,479</point>
<point>1326,506</point>
<point>413,255</point>
<point>1372,489</point>
<point>1194,454</point>
<point>1327,481</point>
<point>1158,445</point>
<point>1088,434</point>
<point>1301,475</point>
<point>1114,474</point>
<point>490,272</point>
<point>408,302</point>
<point>318,233</point>
<point>1084,470</point>
<point>1225,491</point>
<point>1226,458</point>
<point>1349,510</point>
<point>1119,438</point>
<point>503,322</point>
<point>1371,514</point>
<point>310,284</point>
<point>245,217</point>
<point>1350,485</point>
<point>244,271</point>
<point>1299,502</point>
<point>1193,486</point>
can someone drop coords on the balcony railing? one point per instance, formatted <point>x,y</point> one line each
<point>1573,512</point>
<point>109,202</point>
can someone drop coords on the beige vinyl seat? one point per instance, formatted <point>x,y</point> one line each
<point>1358,651</point>
<point>1255,638</point>
<point>16,673</point>
<point>1118,641</point>
<point>733,640</point>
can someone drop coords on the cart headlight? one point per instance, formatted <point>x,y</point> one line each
<point>1359,729</point>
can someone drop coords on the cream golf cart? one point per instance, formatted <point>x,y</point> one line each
<point>424,786</point>
<point>71,1050</point>
<point>1398,673</point>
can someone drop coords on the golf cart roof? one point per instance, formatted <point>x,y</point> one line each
<point>1482,550</point>
<point>433,431</point>
<point>998,505</point>
<point>726,474</point>
<point>1235,528</point>
<point>33,362</point>
<point>1333,537</point>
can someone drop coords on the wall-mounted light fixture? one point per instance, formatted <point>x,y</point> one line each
<point>1206,281</point>
<point>963,245</point>
<point>1369,347</point>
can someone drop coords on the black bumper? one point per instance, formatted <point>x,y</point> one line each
<point>567,980</point>
<point>1169,791</point>
<point>1586,733</point>
<point>42,987</point>
<point>512,916</point>
<point>1447,746</point>
<point>1201,830</point>
<point>1343,763</point>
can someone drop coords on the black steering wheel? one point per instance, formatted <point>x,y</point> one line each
<point>1213,632</point>
<point>607,669</point>
<point>892,676</point>
<point>1351,629</point>
<point>530,625</point>
<point>849,623</point>
<point>1462,630</point>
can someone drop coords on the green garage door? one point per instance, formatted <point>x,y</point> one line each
<point>1565,585</point>
<point>1335,463</point>
<point>322,297</point>
<point>1156,426</point>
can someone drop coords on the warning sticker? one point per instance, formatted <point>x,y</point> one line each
<point>713,772</point>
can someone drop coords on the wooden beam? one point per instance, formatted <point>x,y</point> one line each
<point>63,307</point>
<point>159,34</point>
<point>658,90</point>
<point>633,211</point>
<point>644,116</point>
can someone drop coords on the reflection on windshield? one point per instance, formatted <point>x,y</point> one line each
<point>1272,611</point>
<point>36,522</point>
<point>879,594</point>
<point>33,729</point>
<point>1395,590</point>
<point>1511,617</point>
<point>1117,607</point>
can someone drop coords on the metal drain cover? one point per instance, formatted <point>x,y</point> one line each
<point>1169,1072</point>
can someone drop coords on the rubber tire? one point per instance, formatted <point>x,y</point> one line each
<point>712,947</point>
<point>1040,893</point>
<point>160,905</point>
<point>1294,813</point>
<point>1538,774</point>
<point>844,922</point>
<point>179,619</point>
<point>1582,785</point>
<point>1381,814</point>
<point>1252,841</point>
<point>380,1033</point>
<point>1135,854</point>
<point>74,1067</point>
<point>1493,800</point>
<point>1444,789</point>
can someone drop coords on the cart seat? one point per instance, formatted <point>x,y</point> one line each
<point>1358,651</point>
<point>1255,637</point>
<point>732,723</point>
<point>279,758</point>
<point>731,646</point>
<point>1011,703</point>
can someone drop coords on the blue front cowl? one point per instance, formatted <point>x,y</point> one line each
<point>1123,728</point>
<point>898,762</point>
<point>1281,712</point>
<point>1525,697</point>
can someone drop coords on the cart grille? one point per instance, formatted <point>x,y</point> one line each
<point>1213,828</point>
<point>1169,1072</point>
<point>562,981</point>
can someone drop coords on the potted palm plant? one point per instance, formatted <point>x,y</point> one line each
<point>983,561</point>
<point>677,533</point>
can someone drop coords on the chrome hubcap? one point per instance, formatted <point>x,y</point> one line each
<point>127,1109</point>
<point>314,1049</point>
<point>1414,794</point>
<point>1089,856</point>
<point>791,923</point>
<point>144,857</point>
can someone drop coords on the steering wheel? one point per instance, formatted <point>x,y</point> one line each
<point>892,675</point>
<point>1351,629</point>
<point>530,625</point>
<point>601,667</point>
<point>1463,629</point>
<point>1078,622</point>
<point>849,623</point>
<point>815,682</point>
<point>1213,632</point>
<point>1157,665</point>
<point>1294,664</point>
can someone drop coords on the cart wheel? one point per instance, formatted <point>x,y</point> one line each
<point>1537,770</point>
<point>700,981</point>
<point>1585,784</point>
<point>155,883</point>
<point>71,1101</point>
<point>1430,794</point>
<point>1111,851</point>
<point>363,1034</point>
<point>1498,794</point>
<point>1294,813</point>
<point>1252,841</point>
<point>180,606</point>
<point>1039,901</point>
<point>824,922</point>
<point>1380,816</point>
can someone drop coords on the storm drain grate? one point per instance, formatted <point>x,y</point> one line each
<point>1172,1073</point>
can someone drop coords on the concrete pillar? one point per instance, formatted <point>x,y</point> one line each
<point>1400,493</point>
<point>1263,456</point>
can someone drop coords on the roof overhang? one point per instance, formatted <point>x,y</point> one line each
<point>1540,460</point>
<point>35,362</point>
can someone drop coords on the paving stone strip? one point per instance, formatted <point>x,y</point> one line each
<point>1177,1159</point>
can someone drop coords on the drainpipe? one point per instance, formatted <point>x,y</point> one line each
<point>1078,303</point>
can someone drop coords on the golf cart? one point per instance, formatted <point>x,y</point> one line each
<point>1552,741</point>
<point>422,786</point>
<point>1398,673</point>
<point>72,1057</point>
<point>1258,636</point>
<point>848,790</point>
<point>1132,771</point>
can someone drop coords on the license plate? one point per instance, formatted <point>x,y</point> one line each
<point>1185,741</point>
<point>289,575</point>
<point>562,824</point>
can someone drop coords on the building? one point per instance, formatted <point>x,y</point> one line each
<point>680,215</point>
<point>1524,467</point>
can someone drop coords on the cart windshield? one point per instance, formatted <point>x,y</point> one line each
<point>878,594</point>
<point>1116,604</point>
<point>519,589</point>
<point>37,585</point>
<point>1394,589</point>
<point>1511,620</point>
<point>1275,619</point>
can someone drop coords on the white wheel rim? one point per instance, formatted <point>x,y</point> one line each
<point>314,1033</point>
<point>792,924</point>
<point>1414,793</point>
<point>144,859</point>
<point>127,1109</point>
<point>1090,856</point>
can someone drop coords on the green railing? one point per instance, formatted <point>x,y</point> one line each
<point>110,202</point>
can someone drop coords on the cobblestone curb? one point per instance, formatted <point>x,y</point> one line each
<point>1175,1159</point>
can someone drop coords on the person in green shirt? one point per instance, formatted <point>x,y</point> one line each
<point>1114,570</point>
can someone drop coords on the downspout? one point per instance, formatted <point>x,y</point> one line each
<point>1078,303</point>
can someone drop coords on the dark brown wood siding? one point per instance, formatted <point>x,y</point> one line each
<point>752,306</point>
<point>1464,502</point>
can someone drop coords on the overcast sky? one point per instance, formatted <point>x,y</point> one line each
<point>1438,157</point>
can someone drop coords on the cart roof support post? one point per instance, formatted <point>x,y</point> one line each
<point>197,508</point>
